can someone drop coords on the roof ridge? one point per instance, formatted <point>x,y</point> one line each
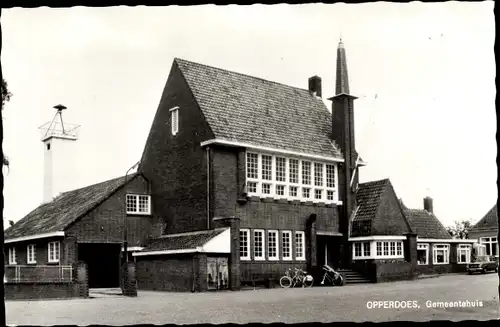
<point>243,74</point>
<point>95,184</point>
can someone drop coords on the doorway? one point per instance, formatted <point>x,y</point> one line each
<point>217,273</point>
<point>103,263</point>
<point>328,250</point>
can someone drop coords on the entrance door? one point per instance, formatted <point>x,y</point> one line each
<point>217,273</point>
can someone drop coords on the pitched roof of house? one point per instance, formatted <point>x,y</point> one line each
<point>65,209</point>
<point>490,220</point>
<point>426,224</point>
<point>369,219</point>
<point>183,241</point>
<point>247,109</point>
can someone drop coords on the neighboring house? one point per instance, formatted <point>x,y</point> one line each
<point>437,250</point>
<point>486,231</point>
<point>86,224</point>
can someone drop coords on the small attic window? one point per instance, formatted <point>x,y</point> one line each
<point>174,120</point>
<point>48,146</point>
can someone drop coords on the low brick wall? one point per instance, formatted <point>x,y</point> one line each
<point>390,271</point>
<point>441,269</point>
<point>367,268</point>
<point>40,290</point>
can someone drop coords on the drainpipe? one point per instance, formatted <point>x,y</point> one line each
<point>208,187</point>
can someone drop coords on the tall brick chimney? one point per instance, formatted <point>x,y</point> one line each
<point>343,138</point>
<point>315,85</point>
<point>428,206</point>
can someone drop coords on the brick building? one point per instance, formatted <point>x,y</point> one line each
<point>486,232</point>
<point>240,179</point>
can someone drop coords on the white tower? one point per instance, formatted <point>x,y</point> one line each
<point>58,140</point>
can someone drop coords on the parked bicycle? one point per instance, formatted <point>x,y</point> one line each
<point>299,277</point>
<point>332,277</point>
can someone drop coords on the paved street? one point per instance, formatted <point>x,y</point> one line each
<point>320,304</point>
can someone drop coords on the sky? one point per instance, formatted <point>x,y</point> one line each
<point>424,74</point>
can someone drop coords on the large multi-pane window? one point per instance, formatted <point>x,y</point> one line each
<point>138,204</point>
<point>491,244</point>
<point>282,177</point>
<point>300,246</point>
<point>362,249</point>
<point>272,242</point>
<point>258,244</point>
<point>244,244</point>
<point>377,249</point>
<point>286,245</point>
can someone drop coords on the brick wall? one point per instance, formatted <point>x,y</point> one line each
<point>476,234</point>
<point>40,290</point>
<point>105,224</point>
<point>391,271</point>
<point>452,267</point>
<point>176,165</point>
<point>167,273</point>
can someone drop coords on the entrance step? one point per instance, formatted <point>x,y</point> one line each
<point>354,277</point>
<point>105,292</point>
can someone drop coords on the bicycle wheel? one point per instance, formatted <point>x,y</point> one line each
<point>285,282</point>
<point>308,281</point>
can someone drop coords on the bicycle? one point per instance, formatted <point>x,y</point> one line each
<point>299,278</point>
<point>334,278</point>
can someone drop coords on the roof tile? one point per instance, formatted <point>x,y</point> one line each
<point>426,224</point>
<point>183,241</point>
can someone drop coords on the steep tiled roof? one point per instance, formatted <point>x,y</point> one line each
<point>490,220</point>
<point>426,224</point>
<point>182,241</point>
<point>368,199</point>
<point>246,109</point>
<point>65,209</point>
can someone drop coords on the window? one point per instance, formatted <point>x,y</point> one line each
<point>464,253</point>
<point>393,248</point>
<point>277,176</point>
<point>362,249</point>
<point>258,244</point>
<point>272,242</point>
<point>294,171</point>
<point>174,113</point>
<point>300,246</point>
<point>54,251</point>
<point>280,169</point>
<point>366,249</point>
<point>31,253</point>
<point>306,172</point>
<point>252,165</point>
<point>423,254</point>
<point>244,244</point>
<point>318,174</point>
<point>286,246</point>
<point>491,244</point>
<point>12,256</point>
<point>138,204</point>
<point>386,248</point>
<point>441,253</point>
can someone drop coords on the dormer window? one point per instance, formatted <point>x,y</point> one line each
<point>138,204</point>
<point>174,119</point>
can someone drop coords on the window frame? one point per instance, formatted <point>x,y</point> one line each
<point>57,255</point>
<point>489,244</point>
<point>302,247</point>
<point>421,247</point>
<point>446,254</point>
<point>290,245</point>
<point>290,186</point>
<point>137,206</point>
<point>263,245</point>
<point>247,232</point>
<point>31,259</point>
<point>276,245</point>
<point>12,256</point>
<point>174,113</point>
<point>364,253</point>
<point>468,253</point>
